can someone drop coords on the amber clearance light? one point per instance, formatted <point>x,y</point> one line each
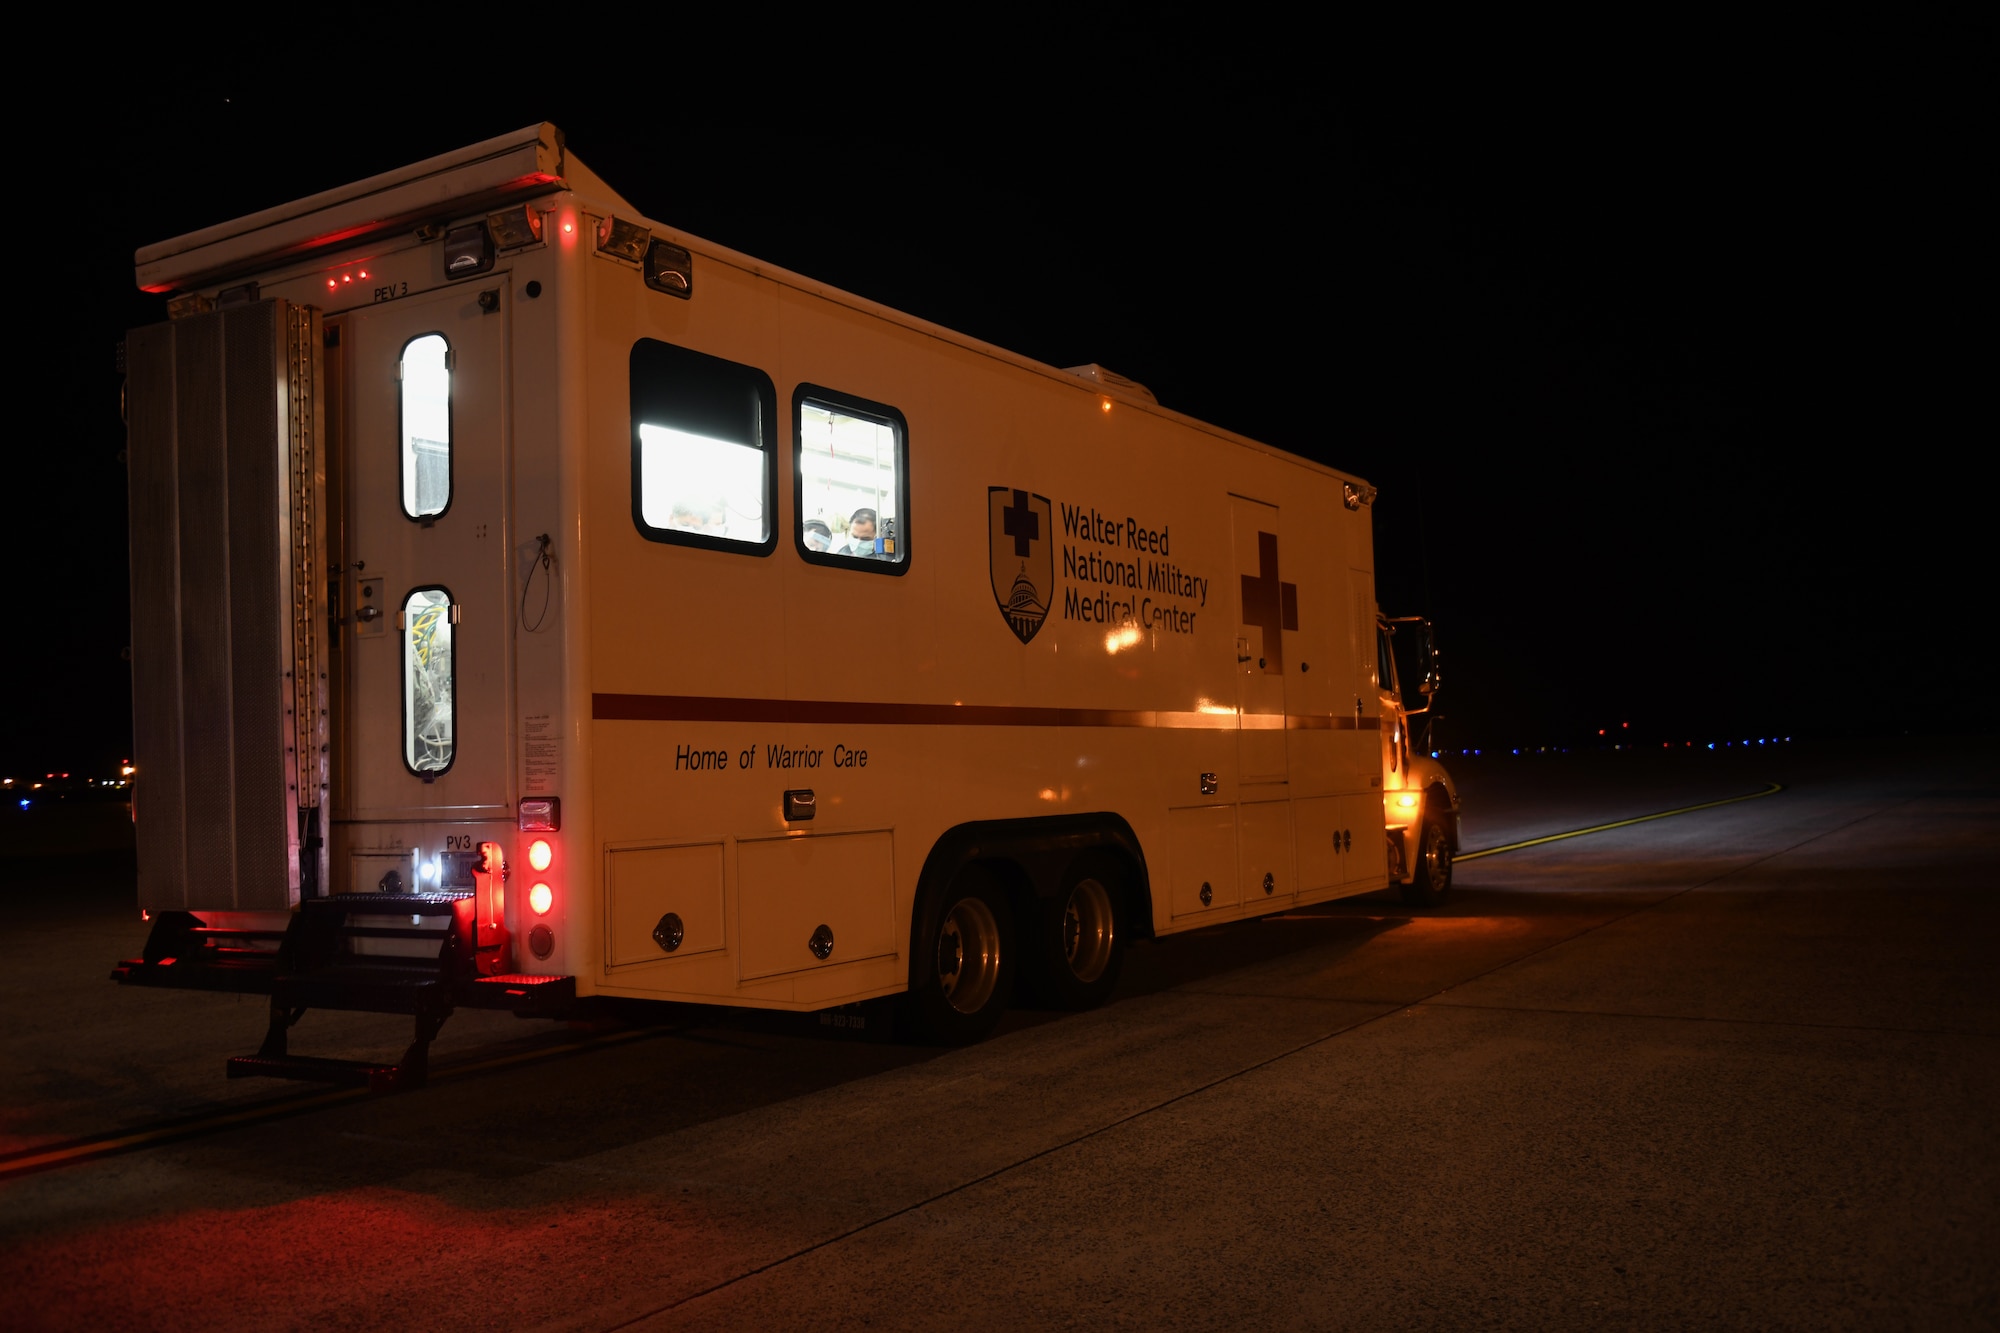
<point>541,898</point>
<point>540,854</point>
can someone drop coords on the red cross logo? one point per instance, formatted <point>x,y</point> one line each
<point>1270,605</point>
<point>1021,523</point>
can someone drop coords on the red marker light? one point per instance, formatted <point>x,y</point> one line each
<point>331,283</point>
<point>540,854</point>
<point>569,226</point>
<point>541,898</point>
<point>347,277</point>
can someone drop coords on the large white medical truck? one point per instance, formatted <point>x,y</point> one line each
<point>532,602</point>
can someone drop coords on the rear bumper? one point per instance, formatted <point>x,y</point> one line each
<point>185,953</point>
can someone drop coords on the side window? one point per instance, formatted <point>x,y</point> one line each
<point>426,425</point>
<point>1386,667</point>
<point>851,464</point>
<point>703,435</point>
<point>429,681</point>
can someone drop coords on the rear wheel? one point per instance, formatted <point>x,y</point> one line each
<point>1433,878</point>
<point>963,969</point>
<point>1078,945</point>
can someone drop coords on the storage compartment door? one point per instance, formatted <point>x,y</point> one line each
<point>815,901</point>
<point>1204,842</point>
<point>1264,844</point>
<point>1367,866</point>
<point>666,902</point>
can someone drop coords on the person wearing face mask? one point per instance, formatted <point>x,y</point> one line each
<point>818,537</point>
<point>861,535</point>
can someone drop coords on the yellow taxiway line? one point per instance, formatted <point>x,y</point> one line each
<point>1772,790</point>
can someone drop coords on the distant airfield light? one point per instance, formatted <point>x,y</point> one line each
<point>127,771</point>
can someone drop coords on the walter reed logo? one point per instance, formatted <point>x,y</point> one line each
<point>1115,570</point>
<point>1022,551</point>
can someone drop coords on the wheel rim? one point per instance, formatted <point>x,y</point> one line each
<point>1088,930</point>
<point>968,956</point>
<point>1437,858</point>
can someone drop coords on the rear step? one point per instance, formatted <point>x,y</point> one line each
<point>273,1060</point>
<point>387,953</point>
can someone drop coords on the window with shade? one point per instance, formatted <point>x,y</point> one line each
<point>703,435</point>
<point>426,426</point>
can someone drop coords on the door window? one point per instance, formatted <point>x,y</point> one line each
<point>426,426</point>
<point>429,681</point>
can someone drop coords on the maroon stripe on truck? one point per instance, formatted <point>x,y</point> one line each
<point>712,708</point>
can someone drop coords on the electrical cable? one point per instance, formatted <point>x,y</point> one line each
<point>543,560</point>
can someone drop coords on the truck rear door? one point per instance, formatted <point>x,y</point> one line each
<point>425,663</point>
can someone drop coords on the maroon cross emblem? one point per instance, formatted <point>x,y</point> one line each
<point>1021,523</point>
<point>1269,604</point>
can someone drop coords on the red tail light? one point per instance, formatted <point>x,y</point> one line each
<point>540,854</point>
<point>541,898</point>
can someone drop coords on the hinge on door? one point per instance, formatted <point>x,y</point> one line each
<point>454,613</point>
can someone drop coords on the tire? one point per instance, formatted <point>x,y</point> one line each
<point>962,967</point>
<point>1432,882</point>
<point>1078,945</point>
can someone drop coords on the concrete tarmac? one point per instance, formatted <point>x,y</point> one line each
<point>1736,1068</point>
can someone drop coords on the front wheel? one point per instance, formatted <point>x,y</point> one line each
<point>963,968</point>
<point>1433,878</point>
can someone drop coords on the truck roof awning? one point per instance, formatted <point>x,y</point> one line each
<point>527,162</point>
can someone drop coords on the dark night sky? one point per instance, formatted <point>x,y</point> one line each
<point>1669,387</point>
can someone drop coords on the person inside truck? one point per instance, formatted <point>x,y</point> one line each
<point>860,535</point>
<point>818,536</point>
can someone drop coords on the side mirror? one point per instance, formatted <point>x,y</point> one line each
<point>1427,655</point>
